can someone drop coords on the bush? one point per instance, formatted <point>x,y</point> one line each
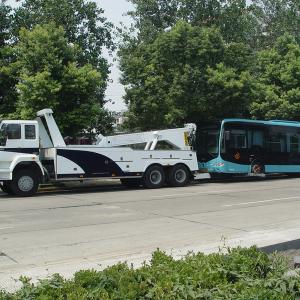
<point>237,274</point>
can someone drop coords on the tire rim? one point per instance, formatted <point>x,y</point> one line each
<point>180,176</point>
<point>257,169</point>
<point>155,177</point>
<point>25,183</point>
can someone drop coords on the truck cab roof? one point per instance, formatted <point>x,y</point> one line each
<point>19,121</point>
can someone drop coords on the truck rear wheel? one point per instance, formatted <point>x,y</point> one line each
<point>25,183</point>
<point>5,187</point>
<point>179,175</point>
<point>154,177</point>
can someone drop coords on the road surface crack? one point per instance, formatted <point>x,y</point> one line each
<point>198,222</point>
<point>2,254</point>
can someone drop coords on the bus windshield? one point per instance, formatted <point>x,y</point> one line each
<point>207,142</point>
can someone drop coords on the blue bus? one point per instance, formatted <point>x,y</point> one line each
<point>241,146</point>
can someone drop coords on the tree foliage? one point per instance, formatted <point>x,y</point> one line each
<point>51,55</point>
<point>51,77</point>
<point>186,74</point>
<point>278,17</point>
<point>7,77</point>
<point>189,60</point>
<point>236,20</point>
<point>83,22</point>
<point>277,92</point>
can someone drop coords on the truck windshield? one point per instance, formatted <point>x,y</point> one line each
<point>3,135</point>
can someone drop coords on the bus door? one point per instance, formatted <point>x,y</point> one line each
<point>294,147</point>
<point>235,143</point>
<point>276,142</point>
<point>243,143</point>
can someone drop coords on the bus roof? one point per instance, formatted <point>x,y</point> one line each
<point>270,122</point>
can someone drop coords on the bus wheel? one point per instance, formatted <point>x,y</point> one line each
<point>5,187</point>
<point>131,182</point>
<point>25,183</point>
<point>154,177</point>
<point>179,175</point>
<point>257,168</point>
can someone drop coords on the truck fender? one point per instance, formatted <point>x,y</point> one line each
<point>166,164</point>
<point>26,159</point>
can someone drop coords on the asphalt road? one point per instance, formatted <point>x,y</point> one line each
<point>91,227</point>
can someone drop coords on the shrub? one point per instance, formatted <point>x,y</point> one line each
<point>240,273</point>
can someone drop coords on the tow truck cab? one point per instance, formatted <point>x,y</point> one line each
<point>19,135</point>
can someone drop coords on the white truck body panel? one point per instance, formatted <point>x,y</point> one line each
<point>176,137</point>
<point>54,131</point>
<point>9,160</point>
<point>93,161</point>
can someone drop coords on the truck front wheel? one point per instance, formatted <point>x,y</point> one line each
<point>25,183</point>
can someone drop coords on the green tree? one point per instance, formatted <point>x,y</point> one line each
<point>236,19</point>
<point>187,74</point>
<point>277,17</point>
<point>84,24</point>
<point>277,91</point>
<point>7,78</point>
<point>50,76</point>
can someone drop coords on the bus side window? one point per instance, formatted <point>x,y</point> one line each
<point>238,139</point>
<point>276,142</point>
<point>258,138</point>
<point>294,143</point>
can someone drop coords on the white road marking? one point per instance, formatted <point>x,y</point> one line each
<point>7,227</point>
<point>190,194</point>
<point>261,201</point>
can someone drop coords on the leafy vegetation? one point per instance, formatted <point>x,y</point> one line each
<point>186,74</point>
<point>237,274</point>
<point>190,60</point>
<point>181,61</point>
<point>51,55</point>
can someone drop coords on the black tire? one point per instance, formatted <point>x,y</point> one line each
<point>5,187</point>
<point>154,177</point>
<point>25,183</point>
<point>131,182</point>
<point>178,176</point>
<point>257,167</point>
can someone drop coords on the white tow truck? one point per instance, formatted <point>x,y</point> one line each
<point>34,152</point>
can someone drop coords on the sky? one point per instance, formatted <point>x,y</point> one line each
<point>115,12</point>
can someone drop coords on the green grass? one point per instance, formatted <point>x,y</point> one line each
<point>239,273</point>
